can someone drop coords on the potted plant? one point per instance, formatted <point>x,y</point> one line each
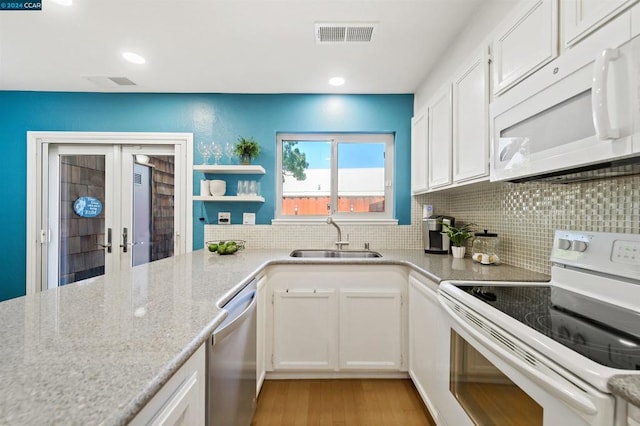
<point>246,149</point>
<point>458,235</point>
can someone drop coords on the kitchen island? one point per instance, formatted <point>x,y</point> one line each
<point>97,351</point>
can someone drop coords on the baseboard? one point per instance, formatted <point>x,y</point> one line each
<point>273,375</point>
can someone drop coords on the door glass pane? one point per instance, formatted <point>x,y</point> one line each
<point>361,177</point>
<point>153,233</point>
<point>484,392</point>
<point>80,230</point>
<point>306,177</point>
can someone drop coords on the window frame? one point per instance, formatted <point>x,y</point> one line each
<point>388,138</point>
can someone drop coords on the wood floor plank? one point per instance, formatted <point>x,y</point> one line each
<point>340,402</point>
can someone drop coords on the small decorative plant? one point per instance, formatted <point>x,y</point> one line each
<point>246,149</point>
<point>458,234</point>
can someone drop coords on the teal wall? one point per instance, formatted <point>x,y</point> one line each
<point>217,117</point>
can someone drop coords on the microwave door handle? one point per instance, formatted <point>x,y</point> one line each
<point>599,96</point>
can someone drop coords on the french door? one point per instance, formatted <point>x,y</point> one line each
<point>105,206</point>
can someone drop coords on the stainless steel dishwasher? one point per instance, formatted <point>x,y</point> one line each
<point>231,387</point>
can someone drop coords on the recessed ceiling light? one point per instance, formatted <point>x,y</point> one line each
<point>336,81</point>
<point>134,58</point>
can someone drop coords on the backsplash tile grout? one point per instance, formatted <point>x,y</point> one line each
<point>525,216</point>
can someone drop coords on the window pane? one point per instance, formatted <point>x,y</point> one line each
<point>306,177</point>
<point>361,177</point>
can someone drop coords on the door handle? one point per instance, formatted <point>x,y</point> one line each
<point>599,97</point>
<point>108,244</point>
<point>125,235</point>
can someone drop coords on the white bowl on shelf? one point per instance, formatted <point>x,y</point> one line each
<point>217,187</point>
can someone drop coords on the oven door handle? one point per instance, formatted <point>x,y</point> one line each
<point>557,386</point>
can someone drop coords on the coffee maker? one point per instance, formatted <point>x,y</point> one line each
<point>434,240</point>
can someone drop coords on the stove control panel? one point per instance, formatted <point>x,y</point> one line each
<point>574,245</point>
<point>627,252</point>
<point>610,253</point>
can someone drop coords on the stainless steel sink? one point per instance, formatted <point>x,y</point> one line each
<point>349,254</point>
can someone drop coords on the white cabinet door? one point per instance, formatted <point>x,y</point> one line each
<point>635,20</point>
<point>419,182</point>
<point>439,141</point>
<point>260,332</point>
<point>370,329</point>
<point>471,120</point>
<point>633,414</point>
<point>304,329</point>
<point>181,401</point>
<point>527,41</point>
<point>581,17</point>
<point>424,320</point>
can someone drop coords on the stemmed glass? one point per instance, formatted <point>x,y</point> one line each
<point>228,152</point>
<point>205,151</point>
<point>217,153</point>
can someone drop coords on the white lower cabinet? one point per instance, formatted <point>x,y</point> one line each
<point>304,329</point>
<point>337,318</point>
<point>371,329</point>
<point>181,401</point>
<point>426,324</point>
<point>633,415</point>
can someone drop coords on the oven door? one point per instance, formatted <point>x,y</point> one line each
<point>495,379</point>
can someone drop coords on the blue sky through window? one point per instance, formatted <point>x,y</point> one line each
<point>350,155</point>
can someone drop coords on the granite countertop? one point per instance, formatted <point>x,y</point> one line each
<point>96,352</point>
<point>626,386</point>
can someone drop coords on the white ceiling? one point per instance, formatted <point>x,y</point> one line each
<point>226,46</point>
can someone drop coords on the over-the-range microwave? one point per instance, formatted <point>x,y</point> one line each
<point>577,118</point>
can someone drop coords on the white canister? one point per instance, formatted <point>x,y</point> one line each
<point>204,187</point>
<point>217,187</point>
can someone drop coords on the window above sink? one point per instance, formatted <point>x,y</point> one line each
<point>347,176</point>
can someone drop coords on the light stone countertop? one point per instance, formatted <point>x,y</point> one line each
<point>96,352</point>
<point>626,386</point>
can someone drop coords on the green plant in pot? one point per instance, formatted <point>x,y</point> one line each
<point>458,235</point>
<point>246,149</point>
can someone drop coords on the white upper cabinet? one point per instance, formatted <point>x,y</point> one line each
<point>439,141</point>
<point>471,119</point>
<point>581,17</point>
<point>419,182</point>
<point>525,42</point>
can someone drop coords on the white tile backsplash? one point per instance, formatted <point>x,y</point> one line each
<point>525,217</point>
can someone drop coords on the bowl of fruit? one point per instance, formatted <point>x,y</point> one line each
<point>224,247</point>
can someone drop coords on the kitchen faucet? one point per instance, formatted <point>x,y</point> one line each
<point>339,243</point>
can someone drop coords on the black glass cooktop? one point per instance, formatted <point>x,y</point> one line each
<point>604,333</point>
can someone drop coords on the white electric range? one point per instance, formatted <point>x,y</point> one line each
<point>542,354</point>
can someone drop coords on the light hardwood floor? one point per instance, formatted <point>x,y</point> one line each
<point>340,402</point>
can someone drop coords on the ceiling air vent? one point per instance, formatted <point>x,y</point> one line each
<point>107,82</point>
<point>344,32</point>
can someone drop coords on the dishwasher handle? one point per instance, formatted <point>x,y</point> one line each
<point>235,314</point>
